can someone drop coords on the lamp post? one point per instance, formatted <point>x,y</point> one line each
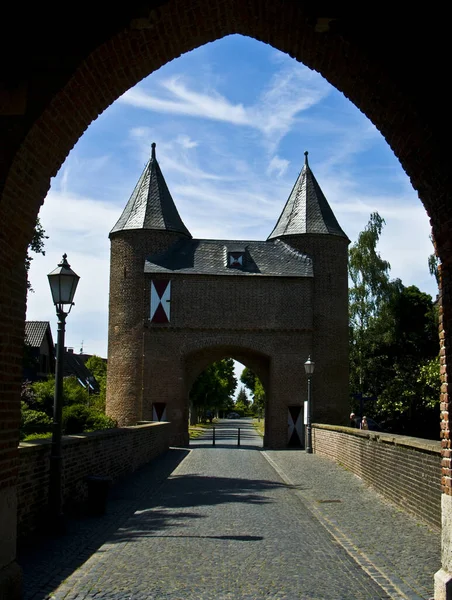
<point>309,369</point>
<point>63,283</point>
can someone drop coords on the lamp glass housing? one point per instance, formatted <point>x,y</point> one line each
<point>63,283</point>
<point>309,366</point>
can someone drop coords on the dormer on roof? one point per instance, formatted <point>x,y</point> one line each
<point>306,210</point>
<point>151,206</point>
<point>236,256</point>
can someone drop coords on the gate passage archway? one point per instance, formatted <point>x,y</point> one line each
<point>172,298</point>
<point>57,77</point>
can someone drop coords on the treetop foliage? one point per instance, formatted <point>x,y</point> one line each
<point>37,246</point>
<point>394,342</point>
<point>214,388</point>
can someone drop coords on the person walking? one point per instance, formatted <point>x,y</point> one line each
<point>364,423</point>
<point>354,421</point>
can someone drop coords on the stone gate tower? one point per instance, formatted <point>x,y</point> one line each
<point>177,304</point>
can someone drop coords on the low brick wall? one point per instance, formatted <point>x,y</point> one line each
<point>405,470</point>
<point>111,452</point>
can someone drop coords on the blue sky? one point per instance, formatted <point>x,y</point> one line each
<point>231,121</point>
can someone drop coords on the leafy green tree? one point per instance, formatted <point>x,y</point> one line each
<point>37,246</point>
<point>254,385</point>
<point>33,421</point>
<point>433,264</point>
<point>259,398</point>
<point>393,341</point>
<point>430,382</point>
<point>248,378</point>
<point>242,404</point>
<point>370,288</point>
<point>78,415</point>
<point>40,394</point>
<point>98,368</point>
<point>79,418</point>
<point>213,390</point>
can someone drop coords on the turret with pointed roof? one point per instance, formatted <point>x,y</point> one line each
<point>306,210</point>
<point>176,303</point>
<point>151,206</point>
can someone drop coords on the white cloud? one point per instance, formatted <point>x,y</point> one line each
<point>278,165</point>
<point>292,90</point>
<point>79,227</point>
<point>187,103</point>
<point>186,142</point>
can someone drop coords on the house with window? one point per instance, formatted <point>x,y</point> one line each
<point>39,351</point>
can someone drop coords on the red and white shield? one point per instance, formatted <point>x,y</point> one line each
<point>160,301</point>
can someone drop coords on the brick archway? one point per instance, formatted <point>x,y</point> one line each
<point>51,95</point>
<point>197,361</point>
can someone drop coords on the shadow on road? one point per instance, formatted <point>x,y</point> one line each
<point>143,504</point>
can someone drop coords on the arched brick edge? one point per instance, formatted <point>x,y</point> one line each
<point>196,361</point>
<point>59,116</point>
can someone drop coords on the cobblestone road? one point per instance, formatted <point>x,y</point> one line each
<point>230,522</point>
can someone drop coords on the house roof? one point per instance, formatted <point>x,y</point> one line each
<point>151,206</point>
<point>35,332</point>
<point>75,365</point>
<point>210,257</point>
<point>307,209</point>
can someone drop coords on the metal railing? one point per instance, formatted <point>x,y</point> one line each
<point>225,429</point>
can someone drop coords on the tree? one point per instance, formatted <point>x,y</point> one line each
<point>37,409</point>
<point>98,368</point>
<point>408,362</point>
<point>40,394</point>
<point>213,390</point>
<point>393,339</point>
<point>369,275</point>
<point>248,378</point>
<point>242,404</point>
<point>433,264</point>
<point>37,246</point>
<point>254,385</point>
<point>259,398</point>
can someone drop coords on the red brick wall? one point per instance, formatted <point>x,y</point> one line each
<point>113,452</point>
<point>406,470</point>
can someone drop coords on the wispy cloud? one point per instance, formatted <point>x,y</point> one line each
<point>291,91</point>
<point>277,165</point>
<point>187,102</point>
<point>186,142</point>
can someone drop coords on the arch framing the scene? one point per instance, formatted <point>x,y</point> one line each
<point>46,110</point>
<point>197,360</point>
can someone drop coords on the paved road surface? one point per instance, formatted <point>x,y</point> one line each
<point>233,523</point>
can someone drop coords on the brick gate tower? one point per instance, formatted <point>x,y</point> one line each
<point>177,304</point>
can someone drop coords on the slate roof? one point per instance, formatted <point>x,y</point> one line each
<point>151,206</point>
<point>75,365</point>
<point>35,332</point>
<point>307,209</point>
<point>210,257</point>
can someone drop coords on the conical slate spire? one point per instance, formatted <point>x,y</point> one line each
<point>151,206</point>
<point>306,210</point>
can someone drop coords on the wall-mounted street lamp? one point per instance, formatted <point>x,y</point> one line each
<point>309,366</point>
<point>63,283</point>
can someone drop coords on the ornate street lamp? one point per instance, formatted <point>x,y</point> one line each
<point>309,368</point>
<point>63,283</point>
